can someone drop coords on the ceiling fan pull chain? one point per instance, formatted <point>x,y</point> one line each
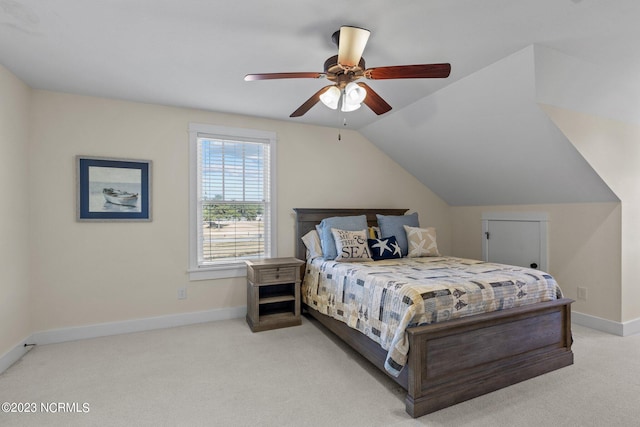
<point>344,123</point>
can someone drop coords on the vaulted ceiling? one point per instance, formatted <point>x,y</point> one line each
<point>480,128</point>
<point>484,140</point>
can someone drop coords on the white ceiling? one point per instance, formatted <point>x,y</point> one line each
<point>477,137</point>
<point>195,53</point>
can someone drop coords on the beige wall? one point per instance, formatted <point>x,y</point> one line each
<point>583,249</point>
<point>88,273</point>
<point>613,150</point>
<point>14,226</point>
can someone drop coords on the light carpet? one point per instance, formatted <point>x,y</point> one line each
<point>222,374</point>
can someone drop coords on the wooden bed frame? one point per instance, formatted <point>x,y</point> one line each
<point>458,360</point>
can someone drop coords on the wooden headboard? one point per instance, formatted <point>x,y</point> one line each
<point>308,218</point>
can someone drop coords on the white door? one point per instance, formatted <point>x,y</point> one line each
<point>519,240</point>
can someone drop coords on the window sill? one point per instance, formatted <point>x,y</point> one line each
<point>219,272</point>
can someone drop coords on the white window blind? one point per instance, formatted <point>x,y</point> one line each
<point>233,197</point>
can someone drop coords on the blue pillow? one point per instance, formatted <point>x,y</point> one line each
<point>348,223</point>
<point>392,225</point>
<point>384,248</point>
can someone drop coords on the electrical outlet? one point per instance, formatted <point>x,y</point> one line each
<point>182,293</point>
<point>582,293</point>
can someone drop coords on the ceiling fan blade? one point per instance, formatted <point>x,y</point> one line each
<point>310,102</point>
<point>272,76</point>
<point>374,101</point>
<point>422,71</point>
<point>351,45</point>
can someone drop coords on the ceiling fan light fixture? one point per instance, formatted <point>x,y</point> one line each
<point>346,107</point>
<point>354,94</point>
<point>352,97</point>
<point>331,97</point>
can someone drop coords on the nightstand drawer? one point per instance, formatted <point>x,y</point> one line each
<point>277,274</point>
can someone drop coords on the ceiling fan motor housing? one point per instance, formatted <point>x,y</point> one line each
<point>341,76</point>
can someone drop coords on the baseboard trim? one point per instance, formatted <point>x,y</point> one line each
<point>146,324</point>
<point>609,326</point>
<point>137,325</point>
<point>13,355</point>
<point>631,327</point>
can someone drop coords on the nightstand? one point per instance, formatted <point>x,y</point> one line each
<point>273,293</point>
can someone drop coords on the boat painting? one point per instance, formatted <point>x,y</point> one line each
<point>118,197</point>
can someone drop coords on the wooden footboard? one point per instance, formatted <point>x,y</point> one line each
<point>458,360</point>
<point>455,361</point>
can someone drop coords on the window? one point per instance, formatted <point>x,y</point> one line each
<point>231,199</point>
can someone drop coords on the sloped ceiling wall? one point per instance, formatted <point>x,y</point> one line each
<point>484,140</point>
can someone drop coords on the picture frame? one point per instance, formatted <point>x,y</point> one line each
<point>112,189</point>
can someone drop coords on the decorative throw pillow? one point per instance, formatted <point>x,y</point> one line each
<point>312,241</point>
<point>373,232</point>
<point>351,245</point>
<point>384,248</point>
<point>391,225</point>
<point>350,223</point>
<point>422,241</point>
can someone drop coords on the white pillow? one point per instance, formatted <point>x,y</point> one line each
<point>351,246</point>
<point>352,223</point>
<point>421,241</point>
<point>312,241</point>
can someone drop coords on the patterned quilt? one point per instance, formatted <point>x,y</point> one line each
<point>382,298</point>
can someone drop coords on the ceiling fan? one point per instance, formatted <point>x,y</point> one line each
<point>348,66</point>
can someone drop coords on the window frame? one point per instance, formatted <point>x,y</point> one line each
<point>236,268</point>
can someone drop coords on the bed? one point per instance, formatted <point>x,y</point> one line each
<point>455,360</point>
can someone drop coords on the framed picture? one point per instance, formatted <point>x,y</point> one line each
<point>113,189</point>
